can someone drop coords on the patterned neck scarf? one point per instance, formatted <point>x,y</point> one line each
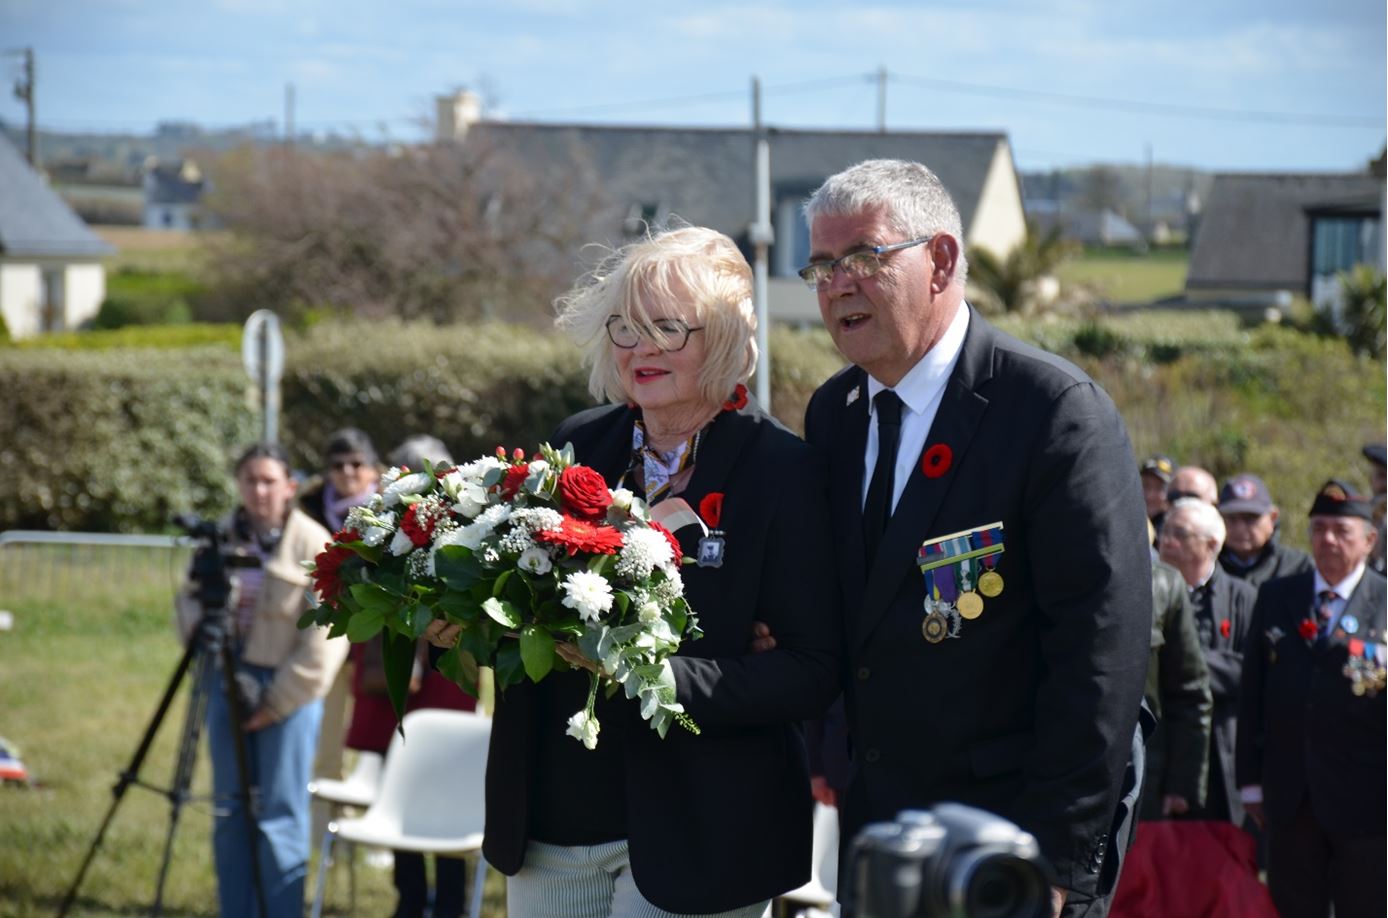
<point>335,506</point>
<point>657,467</point>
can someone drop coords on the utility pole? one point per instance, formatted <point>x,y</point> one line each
<point>1148,228</point>
<point>24,91</point>
<point>761,234</point>
<point>289,114</point>
<point>882,99</point>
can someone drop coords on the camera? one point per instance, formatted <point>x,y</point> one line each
<point>952,860</point>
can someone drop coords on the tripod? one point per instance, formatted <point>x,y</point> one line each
<point>207,650</point>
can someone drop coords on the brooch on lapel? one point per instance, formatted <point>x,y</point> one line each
<point>852,396</point>
<point>936,460</point>
<point>711,546</point>
<point>959,570</point>
<point>1273,635</point>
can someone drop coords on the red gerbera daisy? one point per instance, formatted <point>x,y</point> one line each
<point>575,535</point>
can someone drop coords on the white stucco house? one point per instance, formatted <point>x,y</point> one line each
<point>51,275</point>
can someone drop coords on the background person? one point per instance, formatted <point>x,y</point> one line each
<point>284,672</point>
<point>1190,541</point>
<point>1252,552</point>
<point>721,822</point>
<point>944,424</point>
<point>1311,738</point>
<point>1156,474</point>
<point>1192,481</point>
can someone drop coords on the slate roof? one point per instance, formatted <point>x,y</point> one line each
<point>34,220</point>
<point>1255,233</point>
<point>165,184</point>
<point>704,175</point>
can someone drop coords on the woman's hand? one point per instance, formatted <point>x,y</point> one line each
<point>261,719</point>
<point>443,634</point>
<point>570,654</point>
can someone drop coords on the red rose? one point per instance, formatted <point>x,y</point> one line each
<point>584,492</point>
<point>515,477</point>
<point>739,399</point>
<point>711,508</point>
<point>937,460</point>
<point>418,524</point>
<point>670,537</point>
<point>576,535</point>
<point>1225,628</point>
<point>1308,629</point>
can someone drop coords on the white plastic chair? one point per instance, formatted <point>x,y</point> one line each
<point>819,891</point>
<point>430,798</point>
<point>357,790</point>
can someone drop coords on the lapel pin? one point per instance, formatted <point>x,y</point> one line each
<point>852,396</point>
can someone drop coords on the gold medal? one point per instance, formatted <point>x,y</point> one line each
<point>989,584</point>
<point>970,605</point>
<point>1358,688</point>
<point>935,627</point>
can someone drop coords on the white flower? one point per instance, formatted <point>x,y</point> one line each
<point>452,483</point>
<point>643,550</point>
<point>535,560</point>
<point>413,483</point>
<point>537,519</point>
<point>477,469</point>
<point>649,613</point>
<point>584,728</point>
<point>621,499</point>
<point>401,544</point>
<point>389,476</point>
<point>471,499</point>
<point>587,592</point>
<point>421,563</point>
<point>473,534</point>
<point>539,467</point>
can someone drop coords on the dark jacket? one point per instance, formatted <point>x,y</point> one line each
<point>1032,711</point>
<point>1223,611</point>
<point>1276,560</point>
<point>1302,731</point>
<point>722,819</point>
<point>1178,692</point>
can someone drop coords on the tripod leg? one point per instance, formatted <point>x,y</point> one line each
<point>132,772</point>
<point>249,801</point>
<point>183,769</point>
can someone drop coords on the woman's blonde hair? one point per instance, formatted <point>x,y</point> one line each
<point>693,266</point>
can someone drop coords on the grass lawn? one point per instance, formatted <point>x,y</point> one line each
<point>81,674</point>
<point>1124,277</point>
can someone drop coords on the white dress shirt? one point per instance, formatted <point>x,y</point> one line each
<point>921,390</point>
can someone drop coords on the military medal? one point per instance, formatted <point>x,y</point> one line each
<point>935,628</point>
<point>990,581</point>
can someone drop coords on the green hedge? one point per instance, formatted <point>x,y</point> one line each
<point>118,439</point>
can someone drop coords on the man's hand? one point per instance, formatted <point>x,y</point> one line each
<point>261,719</point>
<point>442,634</point>
<point>762,638</point>
<point>1255,810</point>
<point>1174,805</point>
<point>1057,901</point>
<point>821,791</point>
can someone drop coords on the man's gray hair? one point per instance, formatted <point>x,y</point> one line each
<point>1206,519</point>
<point>915,200</point>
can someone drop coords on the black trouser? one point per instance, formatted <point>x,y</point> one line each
<point>450,882</point>
<point>1309,868</point>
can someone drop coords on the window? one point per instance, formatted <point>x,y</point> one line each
<point>1340,243</point>
<point>792,248</point>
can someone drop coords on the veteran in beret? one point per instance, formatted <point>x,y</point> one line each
<point>1310,750</point>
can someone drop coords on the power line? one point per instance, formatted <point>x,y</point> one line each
<point>1135,105</point>
<point>719,96</point>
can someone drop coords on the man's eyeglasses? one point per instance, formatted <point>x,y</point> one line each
<point>670,334</point>
<point>857,265</point>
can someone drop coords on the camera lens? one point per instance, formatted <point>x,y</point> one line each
<point>985,883</point>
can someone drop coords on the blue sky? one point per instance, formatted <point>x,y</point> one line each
<point>1220,84</point>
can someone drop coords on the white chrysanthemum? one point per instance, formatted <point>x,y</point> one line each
<point>477,469</point>
<point>391,475</point>
<point>413,483</point>
<point>535,560</point>
<point>648,613</point>
<point>584,728</point>
<point>588,593</point>
<point>643,550</point>
<point>621,499</point>
<point>475,533</point>
<point>401,544</point>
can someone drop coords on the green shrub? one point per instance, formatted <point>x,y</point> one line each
<point>118,312</point>
<point>4,330</point>
<point>140,297</point>
<point>227,337</point>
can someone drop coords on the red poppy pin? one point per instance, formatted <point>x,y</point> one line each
<point>1308,629</point>
<point>937,460</point>
<point>739,399</point>
<point>711,508</point>
<point>1225,628</point>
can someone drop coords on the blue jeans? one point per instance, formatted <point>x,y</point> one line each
<point>280,759</point>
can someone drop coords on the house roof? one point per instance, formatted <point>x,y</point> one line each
<point>705,175</point>
<point>175,182</point>
<point>34,220</point>
<point>1255,233</point>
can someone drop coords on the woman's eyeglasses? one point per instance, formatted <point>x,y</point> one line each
<point>670,334</point>
<point>343,465</point>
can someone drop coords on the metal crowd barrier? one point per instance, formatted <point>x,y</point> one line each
<point>42,568</point>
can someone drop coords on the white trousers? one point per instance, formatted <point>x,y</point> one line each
<point>588,882</point>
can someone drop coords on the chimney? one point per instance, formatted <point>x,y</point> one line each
<point>455,113</point>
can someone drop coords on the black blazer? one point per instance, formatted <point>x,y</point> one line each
<point>1301,729</point>
<point>723,819</point>
<point>1225,599</point>
<point>1031,713</point>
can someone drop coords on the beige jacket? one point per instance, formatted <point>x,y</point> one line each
<point>305,661</point>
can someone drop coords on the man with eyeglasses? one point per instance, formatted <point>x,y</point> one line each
<point>955,443</point>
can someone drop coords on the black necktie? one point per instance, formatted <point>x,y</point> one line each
<point>878,509</point>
